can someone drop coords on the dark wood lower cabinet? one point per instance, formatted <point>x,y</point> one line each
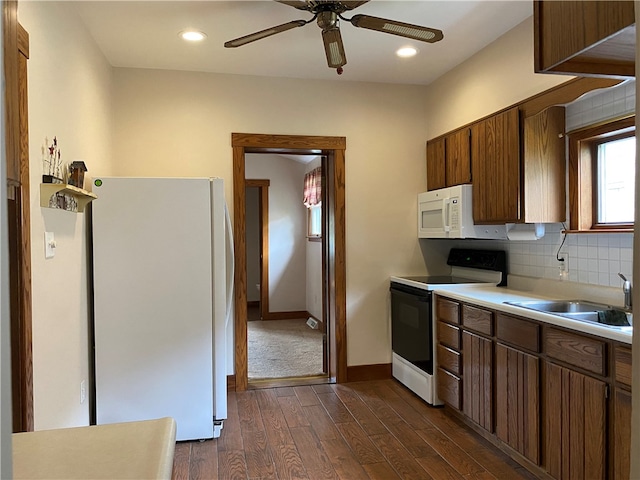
<point>557,401</point>
<point>477,379</point>
<point>575,424</point>
<point>518,401</point>
<point>621,434</point>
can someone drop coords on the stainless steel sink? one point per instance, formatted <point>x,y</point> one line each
<point>561,306</point>
<point>574,309</point>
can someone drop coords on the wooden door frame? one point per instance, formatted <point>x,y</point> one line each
<point>263,192</point>
<point>16,54</point>
<point>335,241</point>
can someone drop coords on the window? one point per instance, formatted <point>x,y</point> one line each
<point>616,174</point>
<point>314,222</point>
<point>312,199</point>
<point>602,177</point>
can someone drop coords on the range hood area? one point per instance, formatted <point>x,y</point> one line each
<point>448,213</point>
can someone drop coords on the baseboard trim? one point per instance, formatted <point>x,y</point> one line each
<point>286,315</point>
<point>253,303</point>
<point>231,383</point>
<point>359,373</point>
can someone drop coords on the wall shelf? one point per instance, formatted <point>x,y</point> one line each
<point>47,190</point>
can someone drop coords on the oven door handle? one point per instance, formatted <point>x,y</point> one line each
<point>419,298</point>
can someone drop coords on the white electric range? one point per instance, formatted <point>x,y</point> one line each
<point>413,329</point>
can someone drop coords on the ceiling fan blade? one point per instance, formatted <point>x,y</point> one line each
<point>299,4</point>
<point>416,32</point>
<point>333,47</point>
<point>238,42</point>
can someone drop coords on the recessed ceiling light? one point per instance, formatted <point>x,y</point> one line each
<point>406,52</point>
<point>192,35</point>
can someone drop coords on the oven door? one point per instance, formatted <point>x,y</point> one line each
<point>411,325</point>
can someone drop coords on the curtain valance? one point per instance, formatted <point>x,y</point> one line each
<point>313,187</point>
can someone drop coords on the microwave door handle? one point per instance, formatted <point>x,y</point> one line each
<point>445,215</point>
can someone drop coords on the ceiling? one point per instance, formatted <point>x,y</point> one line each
<point>145,35</point>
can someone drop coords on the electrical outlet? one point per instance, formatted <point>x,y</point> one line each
<point>564,265</point>
<point>83,391</point>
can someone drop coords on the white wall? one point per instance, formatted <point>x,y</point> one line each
<point>180,123</point>
<point>498,76</point>
<point>314,266</point>
<point>252,228</point>
<point>69,97</point>
<point>287,229</point>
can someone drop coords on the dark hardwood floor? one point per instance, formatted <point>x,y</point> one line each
<point>364,430</point>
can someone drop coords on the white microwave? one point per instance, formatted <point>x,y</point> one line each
<point>448,213</point>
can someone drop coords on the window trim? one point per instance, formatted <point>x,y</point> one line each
<point>583,174</point>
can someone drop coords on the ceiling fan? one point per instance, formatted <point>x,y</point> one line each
<point>328,14</point>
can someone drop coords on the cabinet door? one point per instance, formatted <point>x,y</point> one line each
<point>477,386</point>
<point>621,434</point>
<point>518,401</point>
<point>595,37</point>
<point>544,167</point>
<point>575,440</point>
<point>435,164</point>
<point>495,160</point>
<point>458,158</point>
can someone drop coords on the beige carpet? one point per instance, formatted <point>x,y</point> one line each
<point>283,348</point>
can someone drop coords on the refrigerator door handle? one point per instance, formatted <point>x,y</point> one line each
<point>231,262</point>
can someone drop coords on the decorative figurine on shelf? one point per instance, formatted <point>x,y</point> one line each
<point>76,173</point>
<point>52,162</point>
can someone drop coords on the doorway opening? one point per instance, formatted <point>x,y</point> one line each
<point>333,247</point>
<point>286,331</point>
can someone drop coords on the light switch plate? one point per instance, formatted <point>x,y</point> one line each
<point>49,245</point>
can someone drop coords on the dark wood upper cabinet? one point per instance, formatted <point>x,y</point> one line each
<point>436,173</point>
<point>516,162</point>
<point>584,38</point>
<point>544,167</point>
<point>449,160</point>
<point>457,156</point>
<point>495,159</point>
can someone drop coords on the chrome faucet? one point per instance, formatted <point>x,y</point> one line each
<point>626,289</point>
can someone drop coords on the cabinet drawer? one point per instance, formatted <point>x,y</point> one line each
<point>449,335</point>
<point>574,349</point>
<point>449,360</point>
<point>478,320</point>
<point>518,332</point>
<point>448,311</point>
<point>622,360</point>
<point>449,389</point>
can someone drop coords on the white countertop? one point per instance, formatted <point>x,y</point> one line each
<point>143,449</point>
<point>493,297</point>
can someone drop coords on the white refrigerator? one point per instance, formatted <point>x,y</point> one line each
<point>160,302</point>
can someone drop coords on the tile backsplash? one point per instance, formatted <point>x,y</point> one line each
<point>592,258</point>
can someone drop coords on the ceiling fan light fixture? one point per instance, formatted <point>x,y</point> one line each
<point>406,52</point>
<point>334,49</point>
<point>192,35</point>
